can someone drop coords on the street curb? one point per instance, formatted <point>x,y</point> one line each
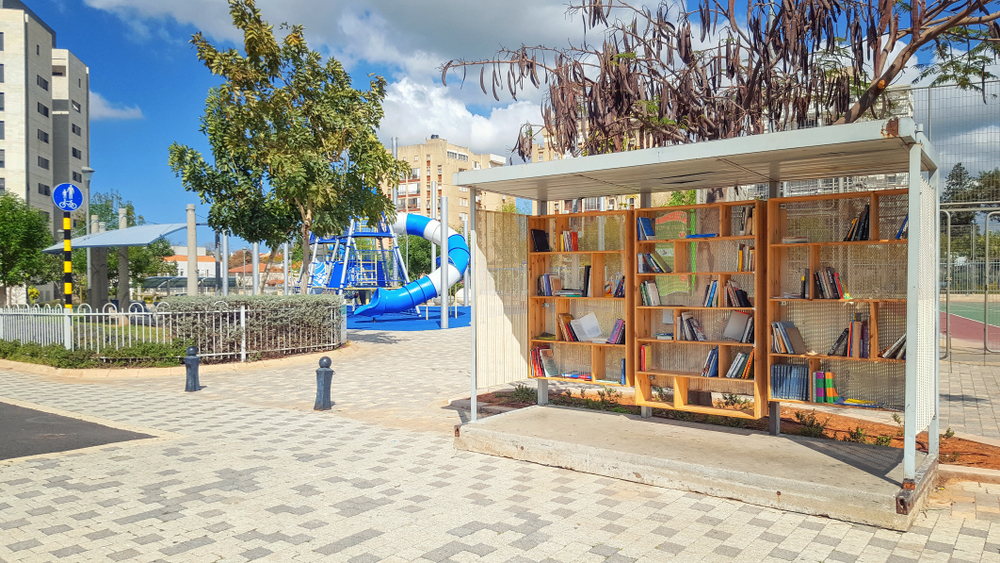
<point>348,349</point>
<point>961,473</point>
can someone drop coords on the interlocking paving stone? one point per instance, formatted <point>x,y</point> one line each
<point>243,477</point>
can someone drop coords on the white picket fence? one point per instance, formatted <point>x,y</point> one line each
<point>220,332</point>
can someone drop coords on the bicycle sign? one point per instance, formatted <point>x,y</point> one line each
<point>67,197</point>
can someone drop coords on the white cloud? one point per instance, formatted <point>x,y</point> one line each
<point>415,111</point>
<point>101,109</point>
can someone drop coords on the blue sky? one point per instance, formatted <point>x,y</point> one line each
<point>151,86</point>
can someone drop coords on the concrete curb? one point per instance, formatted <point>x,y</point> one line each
<point>961,473</point>
<point>347,349</point>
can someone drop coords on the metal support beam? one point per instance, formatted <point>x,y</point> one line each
<point>225,264</point>
<point>192,252</point>
<point>912,296</point>
<point>255,263</point>
<point>285,269</point>
<point>124,293</point>
<point>473,250</point>
<point>444,263</point>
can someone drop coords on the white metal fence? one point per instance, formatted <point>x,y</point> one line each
<point>221,332</point>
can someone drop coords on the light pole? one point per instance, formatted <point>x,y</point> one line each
<point>88,173</point>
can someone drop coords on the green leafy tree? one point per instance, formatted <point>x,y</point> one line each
<point>960,188</point>
<point>294,144</point>
<point>417,251</point>
<point>24,233</point>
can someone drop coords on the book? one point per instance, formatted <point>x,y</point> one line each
<point>545,336</point>
<point>794,240</point>
<point>891,351</point>
<point>622,378</point>
<point>548,362</point>
<point>840,343</point>
<point>797,345</point>
<point>660,262</point>
<point>703,235</point>
<point>711,368</point>
<point>586,281</point>
<point>540,239</point>
<point>805,284</point>
<point>902,232</point>
<point>748,369</point>
<point>736,326</point>
<point>790,381</point>
<point>695,332</point>
<point>587,328</point>
<point>563,321</point>
<point>645,228</point>
<point>643,356</point>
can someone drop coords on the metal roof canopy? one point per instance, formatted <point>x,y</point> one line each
<point>140,235</point>
<point>858,149</point>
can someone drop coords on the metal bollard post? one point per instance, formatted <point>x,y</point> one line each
<point>324,377</point>
<point>191,361</point>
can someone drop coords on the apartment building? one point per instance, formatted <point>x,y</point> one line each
<point>434,162</point>
<point>44,114</point>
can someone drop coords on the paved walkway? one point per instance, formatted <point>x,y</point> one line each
<point>970,395</point>
<point>246,471</point>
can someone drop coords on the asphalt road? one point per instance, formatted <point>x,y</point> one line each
<point>26,432</point>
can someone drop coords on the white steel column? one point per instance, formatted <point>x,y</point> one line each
<point>934,430</point>
<point>444,263</point>
<point>192,250</point>
<point>912,299</point>
<point>225,264</point>
<point>465,282</point>
<point>284,268</point>
<point>124,287</point>
<point>255,262</point>
<point>473,318</point>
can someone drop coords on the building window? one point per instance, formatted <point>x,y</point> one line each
<point>2,130</point>
<point>439,169</point>
<point>43,136</point>
<point>458,156</point>
<point>43,162</point>
<point>38,49</point>
<point>1,73</point>
<point>77,153</point>
<point>461,189</point>
<point>44,189</point>
<point>3,158</point>
<point>76,107</point>
<point>414,173</point>
<point>42,109</point>
<point>77,177</point>
<point>45,214</point>
<point>1,101</point>
<point>79,83</point>
<point>3,185</point>
<point>1,41</point>
<point>76,130</point>
<point>463,202</point>
<point>41,82</point>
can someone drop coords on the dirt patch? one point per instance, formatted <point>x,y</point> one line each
<point>796,421</point>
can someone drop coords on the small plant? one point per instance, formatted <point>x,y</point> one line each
<point>524,394</point>
<point>733,400</point>
<point>583,394</point>
<point>951,458</point>
<point>883,440</point>
<point>948,434</point>
<point>857,435</point>
<point>609,397</point>
<point>899,422</point>
<point>661,394</point>
<point>682,416</point>
<point>811,427</point>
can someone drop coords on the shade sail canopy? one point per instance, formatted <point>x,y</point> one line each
<point>858,149</point>
<point>141,235</point>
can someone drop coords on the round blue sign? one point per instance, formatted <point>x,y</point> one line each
<point>67,197</point>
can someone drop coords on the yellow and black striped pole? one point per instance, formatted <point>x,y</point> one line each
<point>67,261</point>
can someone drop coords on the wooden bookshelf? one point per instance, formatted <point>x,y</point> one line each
<point>604,244</point>
<point>872,273</point>
<point>696,262</point>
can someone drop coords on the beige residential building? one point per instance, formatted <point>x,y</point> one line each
<point>44,114</point>
<point>434,162</point>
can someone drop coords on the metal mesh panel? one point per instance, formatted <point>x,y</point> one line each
<point>717,256</point>
<point>921,350</point>
<point>613,363</point>
<point>963,126</point>
<point>706,220</point>
<point>501,287</point>
<point>891,212</point>
<point>599,232</point>
<point>821,220</point>
<point>794,262</point>
<point>571,358</point>
<point>821,323</point>
<point>881,382</point>
<point>569,268</point>
<point>689,290</point>
<point>863,272</point>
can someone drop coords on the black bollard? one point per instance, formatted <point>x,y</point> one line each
<point>324,377</point>
<point>191,361</point>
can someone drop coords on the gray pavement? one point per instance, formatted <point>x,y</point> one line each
<point>245,470</point>
<point>970,395</point>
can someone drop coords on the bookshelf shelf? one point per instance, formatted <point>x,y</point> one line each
<point>650,275</point>
<point>694,308</point>
<point>603,266</point>
<point>873,262</point>
<point>693,239</point>
<point>702,342</point>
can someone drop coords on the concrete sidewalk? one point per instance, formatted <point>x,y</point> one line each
<point>250,472</point>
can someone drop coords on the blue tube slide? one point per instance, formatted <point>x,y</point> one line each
<point>427,287</point>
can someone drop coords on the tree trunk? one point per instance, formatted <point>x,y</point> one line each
<point>267,269</point>
<point>306,258</point>
<point>3,296</point>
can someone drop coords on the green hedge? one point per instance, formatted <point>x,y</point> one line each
<point>56,355</point>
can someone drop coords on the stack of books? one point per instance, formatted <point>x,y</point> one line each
<point>644,226</point>
<point>617,333</point>
<point>786,338</point>
<point>570,241</point>
<point>687,327</point>
<point>742,366</point>
<point>790,381</point>
<point>736,297</point>
<point>711,298</point>
<point>649,294</point>
<point>828,284</point>
<point>824,390</point>
<point>746,223</point>
<point>859,226</point>
<point>745,259</point>
<point>711,368</point>
<point>615,289</point>
<point>644,352</point>
<point>855,340</point>
<point>652,263</point>
<point>543,363</point>
<point>898,349</point>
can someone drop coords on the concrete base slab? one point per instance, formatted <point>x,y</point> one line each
<point>842,480</point>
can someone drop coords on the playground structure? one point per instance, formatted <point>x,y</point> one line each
<point>368,258</point>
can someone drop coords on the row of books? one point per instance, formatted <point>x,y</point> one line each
<point>652,263</point>
<point>686,327</point>
<point>550,285</point>
<point>745,258</point>
<point>854,341</point>
<point>731,296</point>
<point>617,333</point>
<point>790,381</point>
<point>649,294</point>
<point>786,338</point>
<point>828,285</point>
<point>742,366</point>
<point>746,223</point>
<point>860,225</point>
<point>711,368</point>
<point>898,349</point>
<point>615,289</point>
<point>644,228</point>
<point>543,364</point>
